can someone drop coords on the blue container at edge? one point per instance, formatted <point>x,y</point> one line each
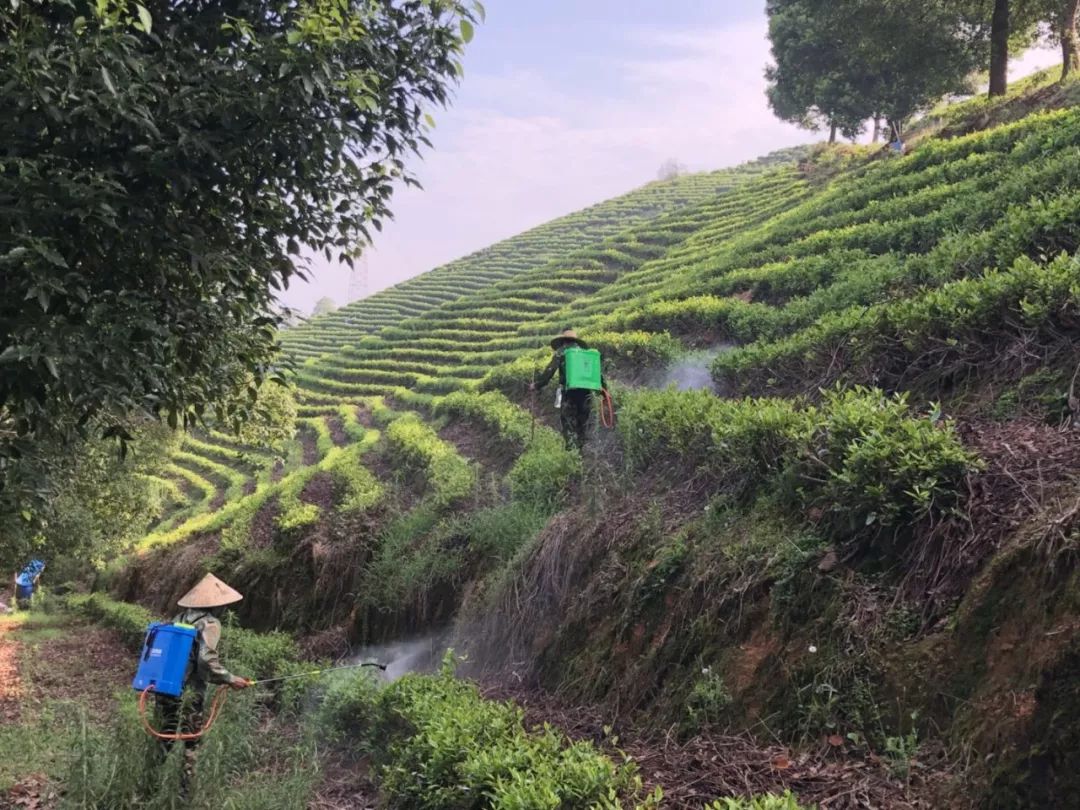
<point>164,659</point>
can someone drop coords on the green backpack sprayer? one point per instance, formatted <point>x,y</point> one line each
<point>583,373</point>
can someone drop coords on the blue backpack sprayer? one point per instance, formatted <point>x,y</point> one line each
<point>166,661</point>
<point>27,580</point>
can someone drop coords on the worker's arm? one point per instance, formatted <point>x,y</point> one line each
<point>210,664</point>
<point>549,372</point>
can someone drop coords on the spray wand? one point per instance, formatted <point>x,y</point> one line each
<point>315,672</point>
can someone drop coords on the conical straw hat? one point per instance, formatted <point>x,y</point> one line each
<point>568,336</point>
<point>211,592</point>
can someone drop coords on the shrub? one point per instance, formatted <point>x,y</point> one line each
<point>740,442</point>
<point>360,488</point>
<point>867,461</point>
<point>768,801</point>
<point>442,745</point>
<point>542,472</point>
<point>861,456</point>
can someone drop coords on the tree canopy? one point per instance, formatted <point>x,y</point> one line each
<point>324,306</point>
<point>161,166</point>
<point>837,63</point>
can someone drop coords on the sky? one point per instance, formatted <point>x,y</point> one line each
<point>565,103</point>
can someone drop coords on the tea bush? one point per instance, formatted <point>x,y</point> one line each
<point>438,744</point>
<point>962,319</point>
<point>770,801</point>
<point>868,463</point>
<point>859,456</point>
<point>545,467</point>
<point>360,489</point>
<point>128,620</point>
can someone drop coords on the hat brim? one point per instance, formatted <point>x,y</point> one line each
<point>210,592</point>
<point>561,341</point>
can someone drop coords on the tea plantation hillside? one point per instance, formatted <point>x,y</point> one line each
<point>861,539</point>
<point>517,254</point>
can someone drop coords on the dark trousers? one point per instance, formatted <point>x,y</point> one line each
<point>574,417</point>
<point>183,714</point>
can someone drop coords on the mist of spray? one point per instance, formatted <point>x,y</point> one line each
<point>403,657</point>
<point>690,372</point>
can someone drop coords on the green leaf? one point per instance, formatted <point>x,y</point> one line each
<point>480,10</point>
<point>429,120</point>
<point>144,17</point>
<point>51,365</point>
<point>107,78</point>
<point>27,515</point>
<point>466,31</point>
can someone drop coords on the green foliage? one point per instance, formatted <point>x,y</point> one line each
<point>868,462</point>
<point>860,457</point>
<point>495,535</point>
<point>963,319</point>
<point>708,700</point>
<point>89,500</point>
<point>786,801</point>
<point>128,620</point>
<point>157,240</point>
<point>742,442</point>
<point>273,419</point>
<point>361,490</point>
<point>545,467</point>
<point>438,744</point>
<point>239,765</point>
<point>830,66</point>
<point>416,445</point>
<point>900,750</point>
<point>410,559</point>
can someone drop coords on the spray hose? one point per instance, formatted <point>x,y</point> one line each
<point>219,701</point>
<point>607,410</point>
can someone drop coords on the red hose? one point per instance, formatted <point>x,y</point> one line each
<point>215,709</point>
<point>607,410</point>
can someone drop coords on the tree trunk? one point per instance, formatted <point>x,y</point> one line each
<point>832,128</point>
<point>999,49</point>
<point>877,128</point>
<point>1070,39</point>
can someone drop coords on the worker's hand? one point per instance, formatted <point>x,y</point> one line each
<point>239,683</point>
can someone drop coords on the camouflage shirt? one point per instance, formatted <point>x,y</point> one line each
<point>207,667</point>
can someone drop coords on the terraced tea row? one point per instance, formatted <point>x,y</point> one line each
<point>521,253</point>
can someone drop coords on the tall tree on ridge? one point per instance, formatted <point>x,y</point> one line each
<point>844,61</point>
<point>811,84</point>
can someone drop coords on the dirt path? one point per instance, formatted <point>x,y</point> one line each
<point>10,684</point>
<point>51,666</point>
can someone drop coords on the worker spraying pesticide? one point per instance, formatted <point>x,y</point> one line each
<point>26,582</point>
<point>580,380</point>
<point>180,660</point>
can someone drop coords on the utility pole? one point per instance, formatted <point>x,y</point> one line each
<point>358,279</point>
